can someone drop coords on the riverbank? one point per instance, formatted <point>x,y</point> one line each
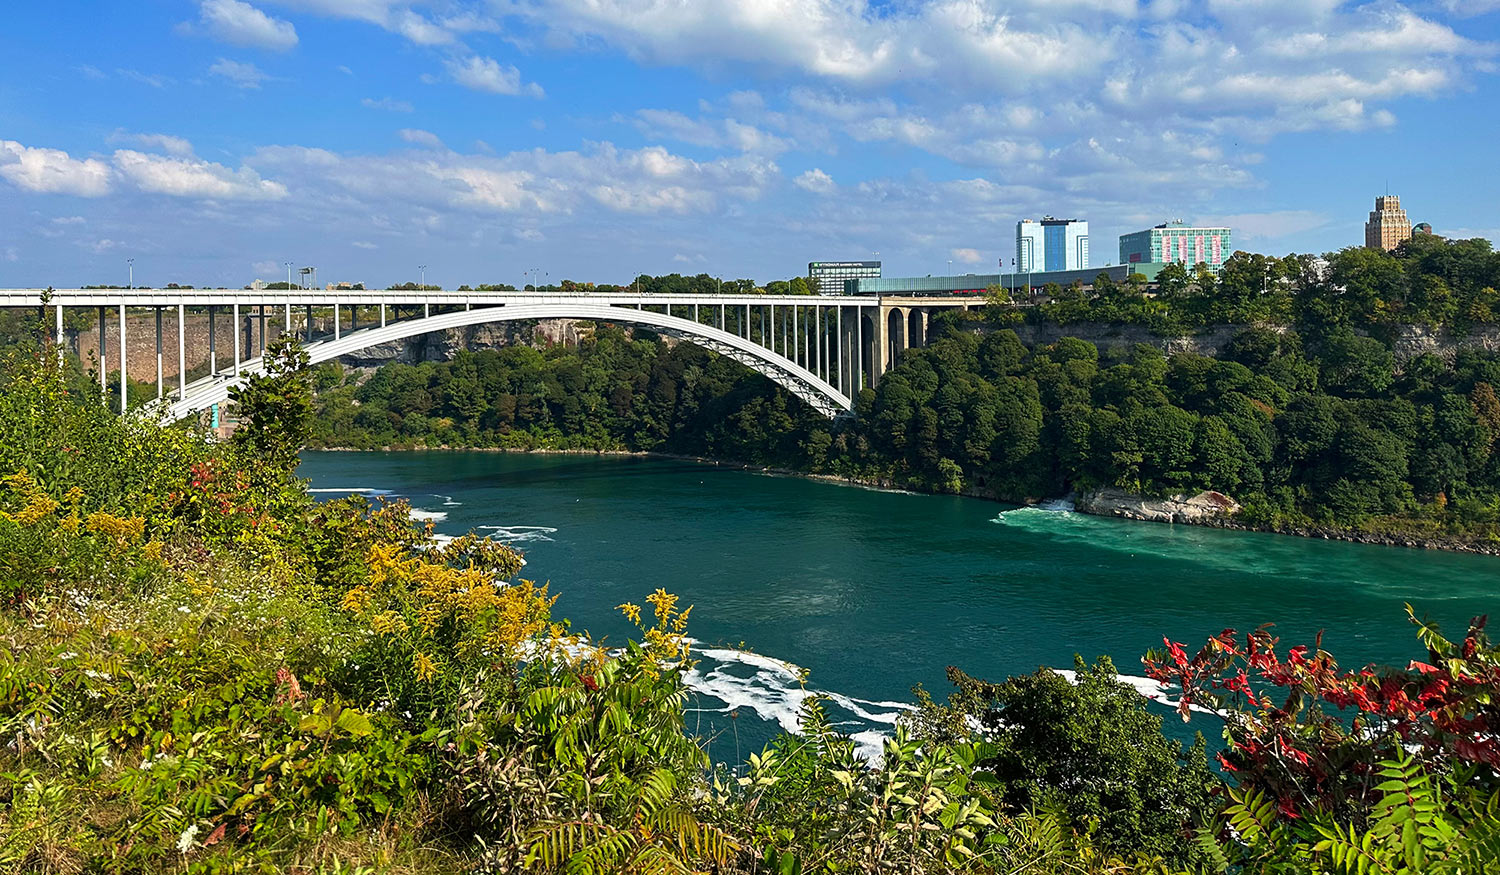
<point>1209,509</point>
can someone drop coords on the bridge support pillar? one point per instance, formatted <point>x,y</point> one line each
<point>57,337</point>
<point>181,351</point>
<point>103,361</point>
<point>213,352</point>
<point>239,339</point>
<point>123,381</point>
<point>382,315</point>
<point>158,353</point>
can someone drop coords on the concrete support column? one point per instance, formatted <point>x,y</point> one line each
<point>123,381</point>
<point>213,352</point>
<point>818,344</point>
<point>181,352</point>
<point>382,315</point>
<point>286,325</point>
<point>838,319</point>
<point>158,352</point>
<point>337,329</point>
<point>262,330</point>
<point>309,325</point>
<point>57,337</point>
<point>103,360</point>
<point>426,310</point>
<point>239,338</point>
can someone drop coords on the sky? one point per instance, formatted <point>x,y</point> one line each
<point>494,140</point>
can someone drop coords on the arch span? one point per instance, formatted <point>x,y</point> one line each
<point>822,396</point>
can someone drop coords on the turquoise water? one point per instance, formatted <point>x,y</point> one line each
<point>873,592</point>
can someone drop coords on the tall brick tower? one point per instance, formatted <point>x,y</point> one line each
<point>1388,226</point>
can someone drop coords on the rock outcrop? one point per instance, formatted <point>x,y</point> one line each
<point>1197,510</point>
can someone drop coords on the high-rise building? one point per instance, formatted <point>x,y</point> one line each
<point>1175,241</point>
<point>828,276</point>
<point>1388,226</point>
<point>1051,244</point>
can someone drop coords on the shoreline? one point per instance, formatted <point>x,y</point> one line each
<point>1227,523</point>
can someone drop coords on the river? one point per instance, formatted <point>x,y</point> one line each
<point>872,592</point>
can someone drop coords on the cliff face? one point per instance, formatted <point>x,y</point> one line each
<point>441,346</point>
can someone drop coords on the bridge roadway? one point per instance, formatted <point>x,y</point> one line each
<point>822,348</point>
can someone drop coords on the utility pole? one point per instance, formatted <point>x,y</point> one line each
<point>288,275</point>
<point>130,266</point>
<point>423,269</point>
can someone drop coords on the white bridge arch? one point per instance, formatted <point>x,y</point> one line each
<point>822,348</point>
<point>819,393</point>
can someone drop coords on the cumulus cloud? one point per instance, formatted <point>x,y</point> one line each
<point>486,74</point>
<point>726,133</point>
<point>966,256</point>
<point>168,143</point>
<point>241,24</point>
<point>53,171</point>
<point>420,138</point>
<point>241,74</point>
<point>192,177</point>
<point>386,103</point>
<point>642,181</point>
<point>815,181</point>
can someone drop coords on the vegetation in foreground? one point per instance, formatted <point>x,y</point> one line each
<point>208,672</point>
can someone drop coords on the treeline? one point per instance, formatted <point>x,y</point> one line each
<point>1306,424</point>
<point>1429,281</point>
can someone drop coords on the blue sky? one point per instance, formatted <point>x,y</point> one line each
<point>214,140</point>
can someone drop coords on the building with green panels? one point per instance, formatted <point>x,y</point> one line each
<point>977,283</point>
<point>1175,242</point>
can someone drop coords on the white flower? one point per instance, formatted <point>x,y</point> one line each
<point>187,839</point>
<point>184,609</point>
<point>69,655</point>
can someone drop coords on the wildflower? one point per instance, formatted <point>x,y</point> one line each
<point>632,612</point>
<point>188,838</point>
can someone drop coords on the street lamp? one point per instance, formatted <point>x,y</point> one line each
<point>130,266</point>
<point>423,269</point>
<point>288,275</point>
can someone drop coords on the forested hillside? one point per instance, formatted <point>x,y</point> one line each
<point>1303,416</point>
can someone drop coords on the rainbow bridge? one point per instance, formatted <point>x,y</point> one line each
<point>821,348</point>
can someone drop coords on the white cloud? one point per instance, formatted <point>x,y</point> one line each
<point>242,74</point>
<point>192,177</point>
<point>363,244</point>
<point>420,138</point>
<point>966,256</point>
<point>702,131</point>
<point>53,171</point>
<point>649,181</point>
<point>241,24</point>
<point>386,103</point>
<point>815,181</point>
<point>168,143</point>
<point>68,220</point>
<point>486,74</point>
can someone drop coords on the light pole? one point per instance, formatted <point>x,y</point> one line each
<point>950,267</point>
<point>130,266</point>
<point>288,275</point>
<point>423,269</point>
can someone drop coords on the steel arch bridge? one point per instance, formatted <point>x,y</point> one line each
<point>821,348</point>
<point>798,380</point>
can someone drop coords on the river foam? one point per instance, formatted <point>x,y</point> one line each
<point>775,691</point>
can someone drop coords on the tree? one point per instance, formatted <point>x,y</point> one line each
<point>1088,747</point>
<point>276,406</point>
